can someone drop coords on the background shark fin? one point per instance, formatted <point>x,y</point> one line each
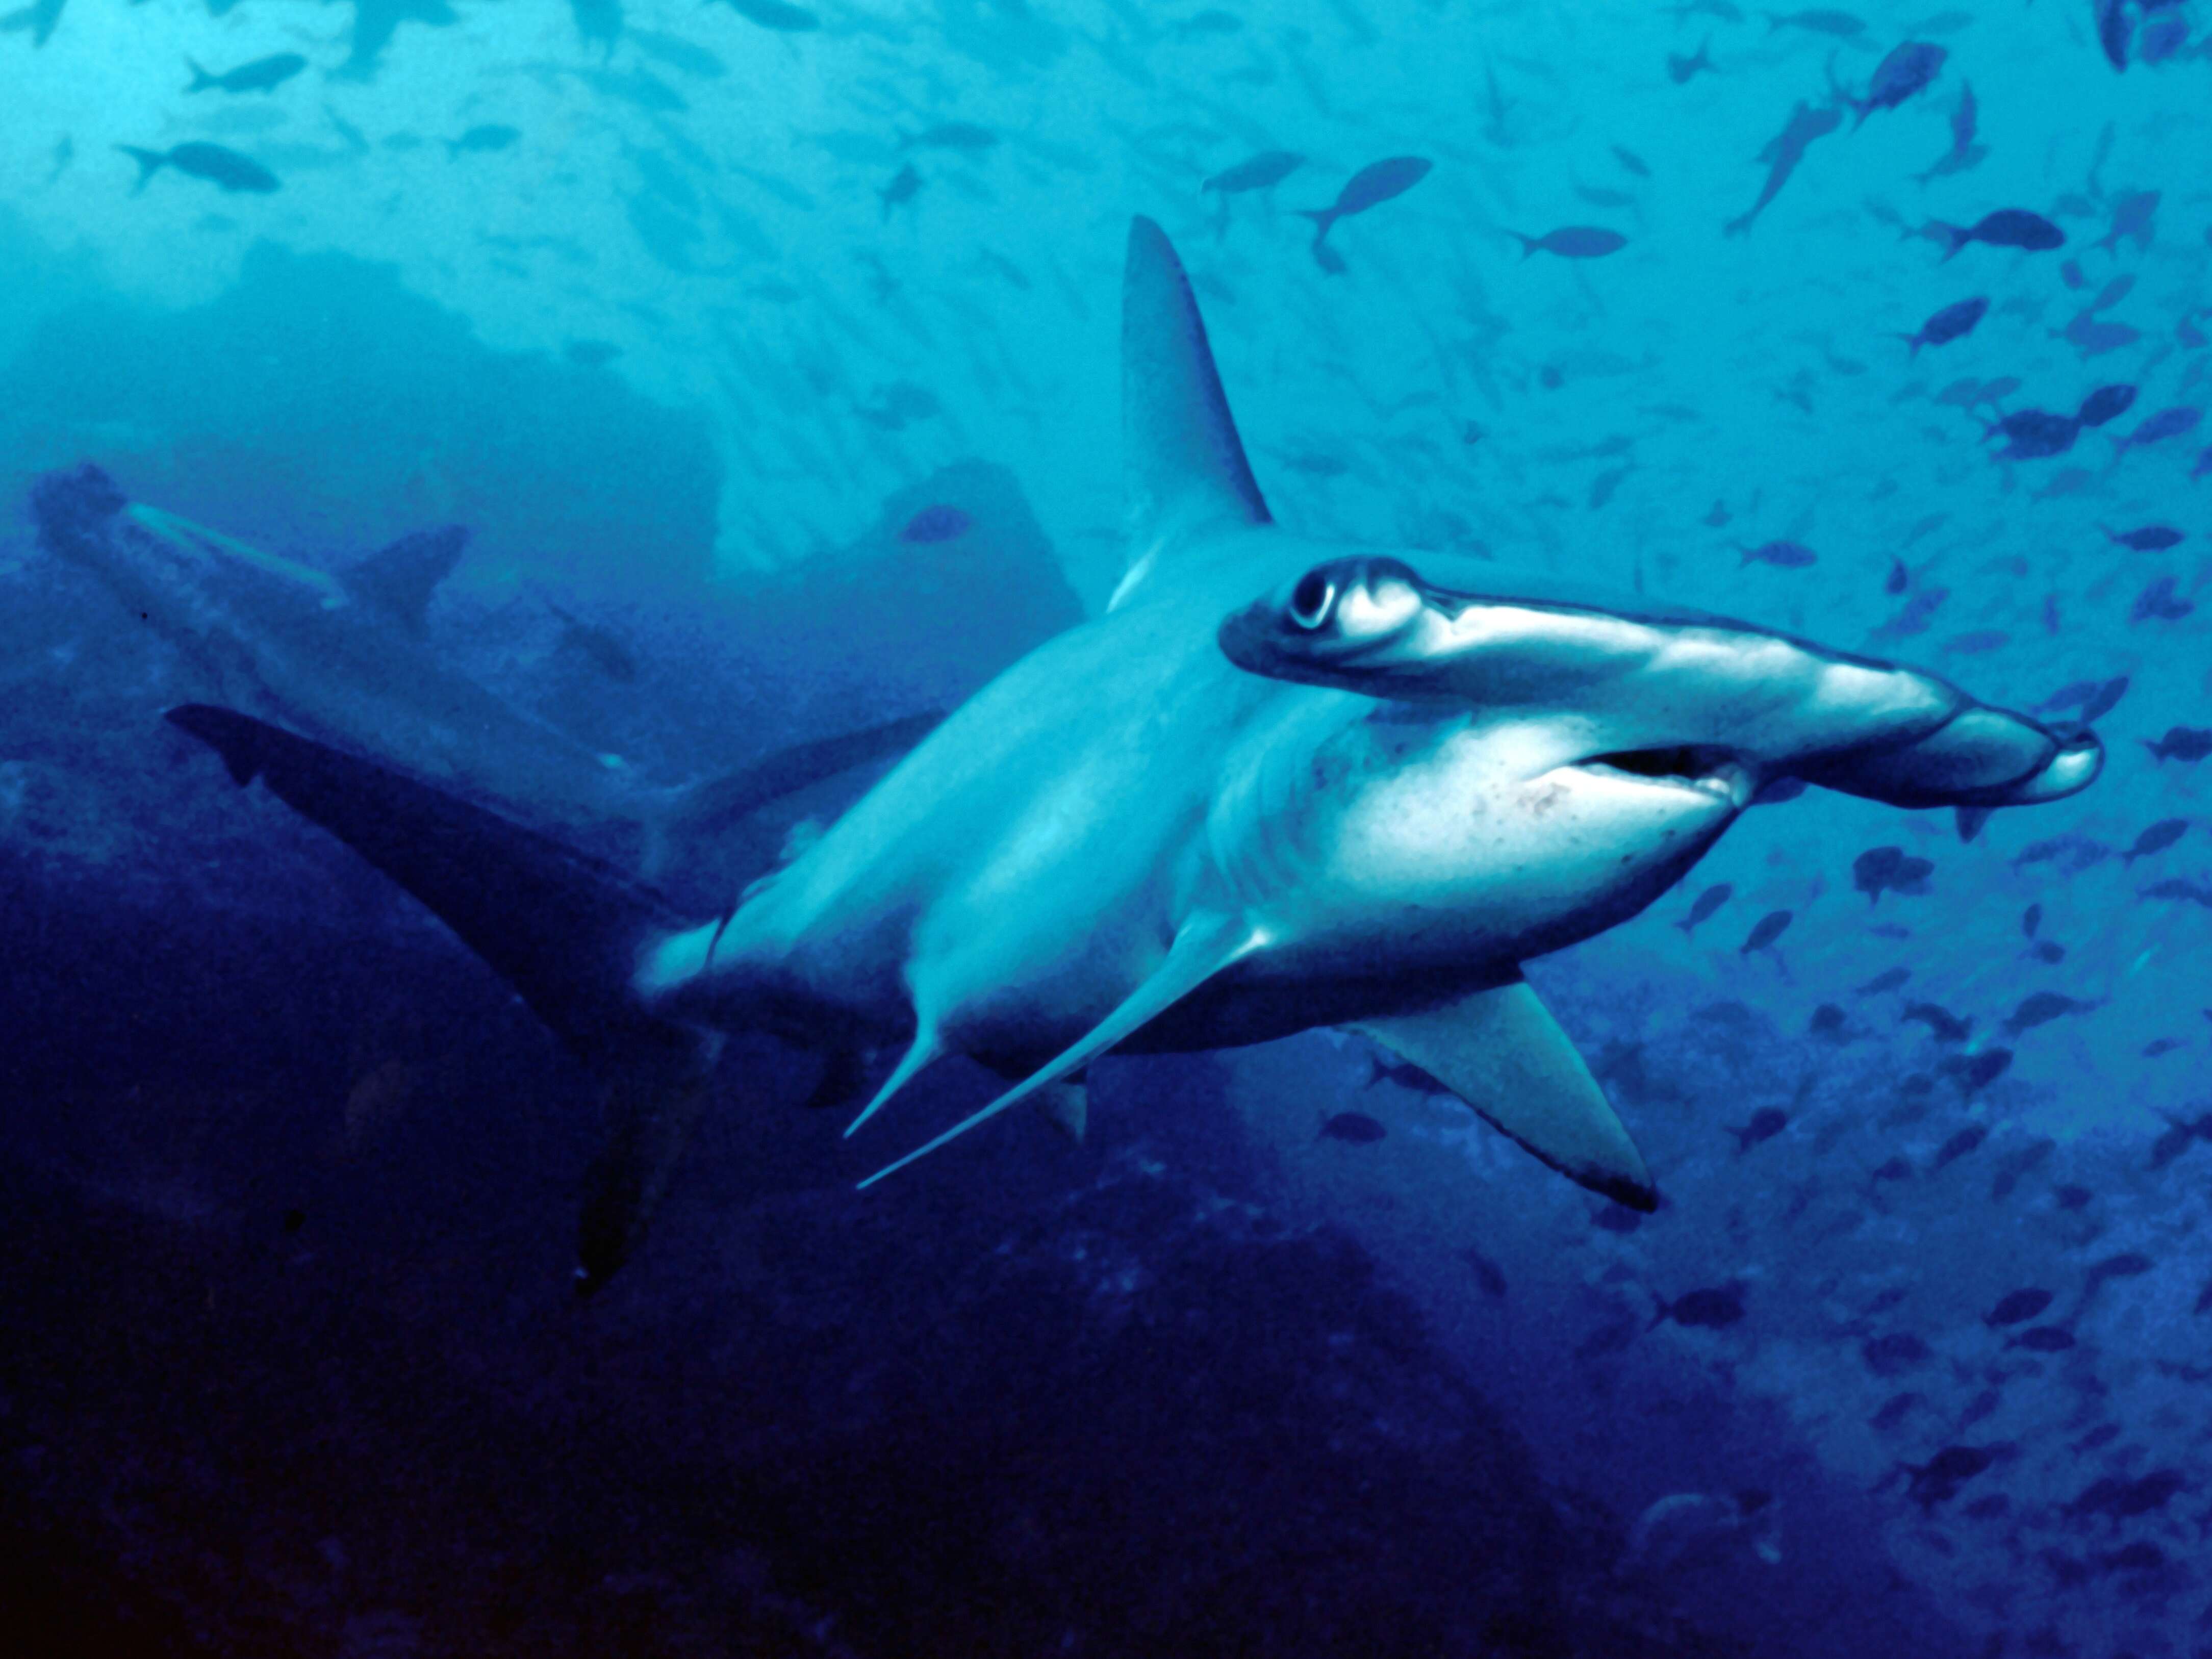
<point>401,578</point>
<point>1186,465</point>
<point>1503,1054</point>
<point>561,927</point>
<point>924,1048</point>
<point>1207,944</point>
<point>705,811</point>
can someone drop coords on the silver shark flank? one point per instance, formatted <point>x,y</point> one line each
<point>1185,825</point>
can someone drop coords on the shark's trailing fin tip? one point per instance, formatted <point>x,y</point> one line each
<point>1186,464</point>
<point>1501,1052</point>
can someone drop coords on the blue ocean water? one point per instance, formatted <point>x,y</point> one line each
<point>769,357</point>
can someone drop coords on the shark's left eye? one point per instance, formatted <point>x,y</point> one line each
<point>1312,600</point>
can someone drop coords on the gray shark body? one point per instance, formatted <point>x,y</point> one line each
<point>1180,826</point>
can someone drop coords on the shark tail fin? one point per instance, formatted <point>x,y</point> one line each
<point>1186,464</point>
<point>402,576</point>
<point>1501,1052</point>
<point>561,926</point>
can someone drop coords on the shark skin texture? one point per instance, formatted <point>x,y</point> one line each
<point>1217,814</point>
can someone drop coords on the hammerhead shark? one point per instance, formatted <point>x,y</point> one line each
<point>346,656</point>
<point>1276,785</point>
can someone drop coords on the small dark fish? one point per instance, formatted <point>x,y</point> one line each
<point>224,169</point>
<point>1889,979</point>
<point>1769,928</point>
<point>1783,556</point>
<point>1262,171</point>
<point>1907,68</point>
<point>2107,402</point>
<point>2018,1307</point>
<point>2159,603</point>
<point>1353,1128</point>
<point>1953,322</point>
<point>905,186</point>
<point>1573,242</point>
<point>1939,1479</point>
<point>1965,1141</point>
<point>964,136</point>
<point>2150,538</point>
<point>295,1218</point>
<point>1614,1218</point>
<point>1372,186</point>
<point>1632,162</point>
<point>2107,698</point>
<point>2047,951</point>
<point>1898,578</point>
<point>1682,70</point>
<point>1783,153</point>
<point>2194,892</point>
<point>2071,1197</point>
<point>1487,1272</point>
<point>2035,434</point>
<point>2129,1264</point>
<point>1828,1021</point>
<point>1975,1072</point>
<point>1707,901</point>
<point>1896,1169</point>
<point>936,523</point>
<point>486,140</point>
<point>1766,1122</point>
<point>2031,233</point>
<point>2182,743</point>
<point>1703,1310</point>
<point>1942,1025</point>
<point>2041,1009</point>
<point>40,17</point>
<point>1895,1410</point>
<point>2031,920</point>
<point>1403,1075</point>
<point>1838,25</point>
<point>2156,839</point>
<point>2114,29</point>
<point>1894,1354</point>
<point>2044,1338</point>
<point>2166,423</point>
<point>2133,214</point>
<point>1890,869</point>
<point>262,75</point>
<point>775,15</point>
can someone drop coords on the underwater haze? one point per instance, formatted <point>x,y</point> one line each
<point>566,460</point>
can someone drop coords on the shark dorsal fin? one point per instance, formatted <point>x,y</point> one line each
<point>1186,465</point>
<point>1205,945</point>
<point>1503,1054</point>
<point>402,577</point>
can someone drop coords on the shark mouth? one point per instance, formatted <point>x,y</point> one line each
<point>1716,773</point>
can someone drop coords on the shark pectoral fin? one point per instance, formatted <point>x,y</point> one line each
<point>1067,1106</point>
<point>924,1048</point>
<point>1207,944</point>
<point>1186,468</point>
<point>654,1100</point>
<point>402,576</point>
<point>1503,1054</point>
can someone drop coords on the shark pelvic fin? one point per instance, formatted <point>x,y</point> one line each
<point>1503,1054</point>
<point>1186,468</point>
<point>1067,1107</point>
<point>1206,944</point>
<point>402,576</point>
<point>924,1048</point>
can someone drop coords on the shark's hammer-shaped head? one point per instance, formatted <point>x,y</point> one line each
<point>1677,701</point>
<point>1493,806</point>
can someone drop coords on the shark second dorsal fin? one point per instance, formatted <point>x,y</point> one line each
<point>401,578</point>
<point>1186,465</point>
<point>1205,944</point>
<point>1503,1054</point>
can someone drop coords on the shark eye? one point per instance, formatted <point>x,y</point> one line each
<point>1312,600</point>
